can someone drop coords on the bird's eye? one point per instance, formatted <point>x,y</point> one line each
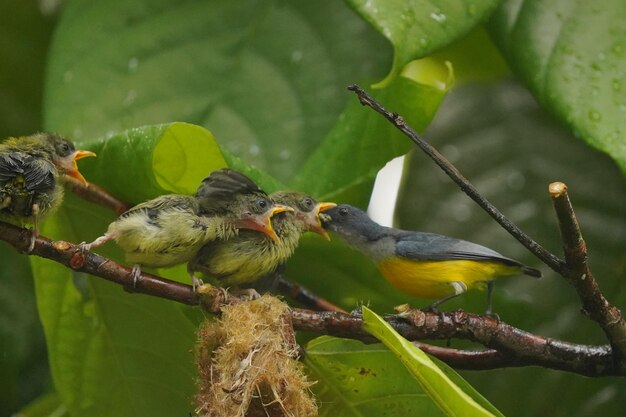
<point>64,148</point>
<point>343,211</point>
<point>262,204</point>
<point>307,202</point>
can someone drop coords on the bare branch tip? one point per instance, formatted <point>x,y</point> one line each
<point>557,189</point>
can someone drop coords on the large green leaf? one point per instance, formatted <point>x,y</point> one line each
<point>441,390</point>
<point>267,78</point>
<point>418,28</point>
<point>358,380</point>
<point>48,405</point>
<point>24,37</point>
<point>141,163</point>
<point>511,150</point>
<point>345,165</point>
<point>23,362</point>
<point>572,55</point>
<point>113,353</point>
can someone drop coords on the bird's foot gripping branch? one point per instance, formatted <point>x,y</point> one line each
<point>507,345</point>
<point>574,268</point>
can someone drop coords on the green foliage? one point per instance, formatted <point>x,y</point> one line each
<point>260,86</point>
<point>24,35</point>
<point>416,29</point>
<point>510,150</point>
<point>572,56</point>
<point>358,380</point>
<point>441,389</point>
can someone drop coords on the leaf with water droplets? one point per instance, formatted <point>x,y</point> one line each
<point>511,150</point>
<point>416,29</point>
<point>572,57</point>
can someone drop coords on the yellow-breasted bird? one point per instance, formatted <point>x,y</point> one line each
<point>170,229</point>
<point>31,177</point>
<point>424,265</point>
<point>250,255</point>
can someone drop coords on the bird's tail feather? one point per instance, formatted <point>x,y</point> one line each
<point>531,271</point>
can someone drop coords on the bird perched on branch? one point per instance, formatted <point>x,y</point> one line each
<point>170,229</point>
<point>251,256</point>
<point>32,169</point>
<point>424,265</point>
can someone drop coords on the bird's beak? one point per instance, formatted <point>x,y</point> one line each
<point>315,224</point>
<point>71,168</point>
<point>263,222</point>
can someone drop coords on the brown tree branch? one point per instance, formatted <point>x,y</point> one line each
<point>575,268</point>
<point>95,194</point>
<point>304,296</point>
<point>577,272</point>
<point>518,348</point>
<point>539,251</point>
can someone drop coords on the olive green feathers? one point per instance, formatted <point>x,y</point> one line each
<point>250,255</point>
<point>32,172</point>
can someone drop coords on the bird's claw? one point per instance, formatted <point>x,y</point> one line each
<point>196,283</point>
<point>433,309</point>
<point>248,293</point>
<point>84,247</point>
<point>135,273</point>
<point>31,244</point>
<point>492,315</point>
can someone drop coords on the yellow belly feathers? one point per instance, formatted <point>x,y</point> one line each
<point>432,279</point>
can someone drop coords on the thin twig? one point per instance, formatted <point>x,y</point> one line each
<point>539,251</point>
<point>306,297</point>
<point>477,360</point>
<point>577,272</point>
<point>517,346</point>
<point>95,194</point>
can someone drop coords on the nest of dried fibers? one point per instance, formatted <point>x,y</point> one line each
<point>247,364</point>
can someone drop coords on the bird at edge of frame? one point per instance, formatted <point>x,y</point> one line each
<point>32,172</point>
<point>251,256</point>
<point>424,265</point>
<point>170,229</point>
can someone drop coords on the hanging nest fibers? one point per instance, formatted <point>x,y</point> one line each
<point>247,364</point>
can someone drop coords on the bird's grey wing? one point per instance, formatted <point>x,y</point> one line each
<point>153,207</point>
<point>433,247</point>
<point>226,182</point>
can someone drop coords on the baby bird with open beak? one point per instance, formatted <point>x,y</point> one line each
<point>32,172</point>
<point>250,256</point>
<point>171,229</point>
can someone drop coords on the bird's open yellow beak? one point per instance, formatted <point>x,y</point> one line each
<point>263,223</point>
<point>72,169</point>
<point>315,224</point>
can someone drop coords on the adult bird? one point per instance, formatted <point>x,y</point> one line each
<point>32,170</point>
<point>250,256</point>
<point>424,265</point>
<point>170,229</point>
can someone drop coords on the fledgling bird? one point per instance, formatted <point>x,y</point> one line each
<point>32,169</point>
<point>170,229</point>
<point>250,256</point>
<point>424,265</point>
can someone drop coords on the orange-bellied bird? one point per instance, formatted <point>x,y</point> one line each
<point>250,255</point>
<point>170,229</point>
<point>424,265</point>
<point>31,177</point>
